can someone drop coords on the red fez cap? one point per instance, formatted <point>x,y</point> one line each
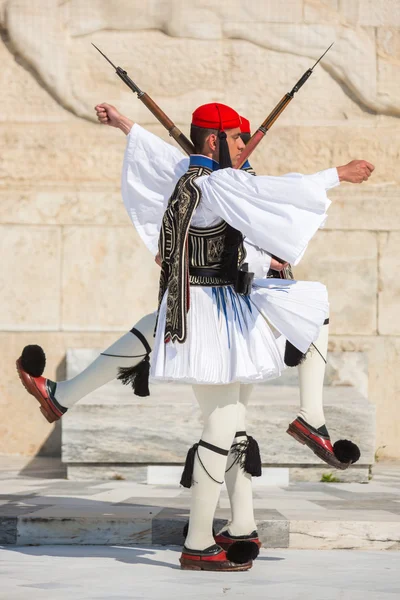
<point>244,125</point>
<point>215,116</point>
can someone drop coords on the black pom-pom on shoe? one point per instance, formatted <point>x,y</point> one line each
<point>242,552</point>
<point>346,451</point>
<point>293,356</point>
<point>33,360</point>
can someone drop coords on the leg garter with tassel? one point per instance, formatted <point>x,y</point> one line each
<point>137,376</point>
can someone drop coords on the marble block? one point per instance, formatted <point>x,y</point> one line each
<point>25,306</point>
<point>86,529</point>
<point>113,432</point>
<point>342,369</point>
<point>8,530</point>
<point>353,302</point>
<point>96,261</point>
<point>160,430</point>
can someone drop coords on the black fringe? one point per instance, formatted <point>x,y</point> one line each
<point>224,156</point>
<point>252,463</point>
<point>293,356</point>
<point>137,377</point>
<point>33,360</point>
<point>187,474</point>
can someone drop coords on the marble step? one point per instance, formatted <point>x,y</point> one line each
<point>164,527</point>
<point>159,430</point>
<point>37,508</point>
<point>170,475</point>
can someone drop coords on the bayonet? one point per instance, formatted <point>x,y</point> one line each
<point>274,114</point>
<point>172,129</point>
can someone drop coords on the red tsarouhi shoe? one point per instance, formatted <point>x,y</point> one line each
<point>239,557</point>
<point>341,455</point>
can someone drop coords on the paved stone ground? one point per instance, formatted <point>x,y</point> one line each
<point>36,508</point>
<point>121,573</point>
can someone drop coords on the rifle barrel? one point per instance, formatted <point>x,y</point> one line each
<point>262,130</point>
<point>274,115</point>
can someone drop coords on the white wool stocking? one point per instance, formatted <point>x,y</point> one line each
<point>105,368</point>
<point>238,482</point>
<point>220,407</point>
<point>311,378</point>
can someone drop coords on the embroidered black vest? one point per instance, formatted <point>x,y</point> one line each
<point>193,255</point>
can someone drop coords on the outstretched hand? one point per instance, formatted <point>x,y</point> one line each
<point>109,115</point>
<point>355,171</point>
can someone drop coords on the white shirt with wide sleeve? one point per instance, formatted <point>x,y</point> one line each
<point>278,214</point>
<point>152,168</point>
<point>150,172</point>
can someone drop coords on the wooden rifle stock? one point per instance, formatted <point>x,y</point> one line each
<point>169,125</point>
<point>262,130</point>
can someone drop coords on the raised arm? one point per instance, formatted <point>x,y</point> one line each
<point>278,214</point>
<point>150,171</point>
<point>109,115</point>
<point>356,171</point>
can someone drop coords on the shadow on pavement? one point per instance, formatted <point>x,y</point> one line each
<point>128,554</point>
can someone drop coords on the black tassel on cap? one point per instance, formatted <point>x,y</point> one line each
<point>224,156</point>
<point>187,475</point>
<point>242,552</point>
<point>293,356</point>
<point>346,451</point>
<point>33,360</point>
<point>252,463</point>
<point>137,377</point>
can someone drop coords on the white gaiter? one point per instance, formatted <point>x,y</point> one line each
<point>105,368</point>
<point>238,482</point>
<point>311,378</point>
<point>220,408</point>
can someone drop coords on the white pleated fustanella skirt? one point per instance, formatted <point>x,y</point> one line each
<point>235,338</point>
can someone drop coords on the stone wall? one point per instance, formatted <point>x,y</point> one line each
<point>74,273</point>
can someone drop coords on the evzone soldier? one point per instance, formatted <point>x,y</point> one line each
<point>242,323</point>
<point>145,200</point>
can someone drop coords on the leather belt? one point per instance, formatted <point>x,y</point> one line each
<point>215,274</point>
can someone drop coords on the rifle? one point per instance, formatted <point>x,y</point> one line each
<point>169,125</point>
<point>273,116</point>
